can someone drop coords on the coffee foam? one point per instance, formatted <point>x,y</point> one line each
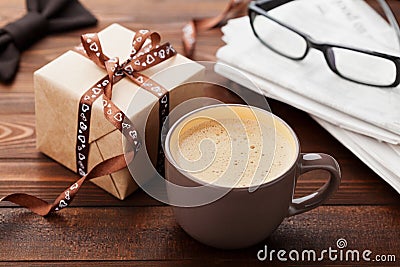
<point>235,152</point>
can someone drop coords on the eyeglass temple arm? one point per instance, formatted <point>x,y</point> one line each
<point>271,4</point>
<point>392,19</point>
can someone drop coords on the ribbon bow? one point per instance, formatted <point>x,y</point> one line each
<point>43,17</point>
<point>146,52</point>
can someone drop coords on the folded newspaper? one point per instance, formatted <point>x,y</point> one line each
<point>365,119</point>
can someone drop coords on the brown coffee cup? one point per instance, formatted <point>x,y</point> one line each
<point>242,217</point>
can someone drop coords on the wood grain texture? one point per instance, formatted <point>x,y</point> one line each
<point>140,231</point>
<point>150,233</point>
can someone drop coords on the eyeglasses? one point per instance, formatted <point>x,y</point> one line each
<point>353,64</point>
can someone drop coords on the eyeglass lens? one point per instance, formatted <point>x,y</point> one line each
<point>354,65</point>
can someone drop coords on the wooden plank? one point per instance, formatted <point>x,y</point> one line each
<point>164,263</point>
<point>89,196</point>
<point>18,137</point>
<point>131,11</point>
<point>174,263</point>
<point>17,103</point>
<point>180,263</point>
<point>89,234</point>
<point>152,234</point>
<point>47,179</point>
<point>352,192</point>
<point>373,228</point>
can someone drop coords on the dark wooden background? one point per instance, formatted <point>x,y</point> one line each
<point>141,231</point>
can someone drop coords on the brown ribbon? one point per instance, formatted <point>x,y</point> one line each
<point>146,52</point>
<point>234,9</point>
<point>142,57</point>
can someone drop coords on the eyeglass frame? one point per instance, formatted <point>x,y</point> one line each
<point>262,7</point>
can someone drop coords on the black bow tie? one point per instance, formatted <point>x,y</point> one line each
<point>43,17</point>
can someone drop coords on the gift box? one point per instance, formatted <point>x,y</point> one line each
<point>60,84</point>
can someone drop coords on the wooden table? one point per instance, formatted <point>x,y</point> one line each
<point>140,231</point>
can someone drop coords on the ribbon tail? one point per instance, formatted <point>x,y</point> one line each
<point>43,208</point>
<point>190,30</point>
<point>189,36</point>
<point>32,203</point>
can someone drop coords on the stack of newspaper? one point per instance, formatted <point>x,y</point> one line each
<point>363,118</point>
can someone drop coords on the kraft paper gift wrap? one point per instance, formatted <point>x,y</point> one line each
<point>60,84</point>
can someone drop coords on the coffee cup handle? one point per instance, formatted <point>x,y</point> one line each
<point>310,162</point>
